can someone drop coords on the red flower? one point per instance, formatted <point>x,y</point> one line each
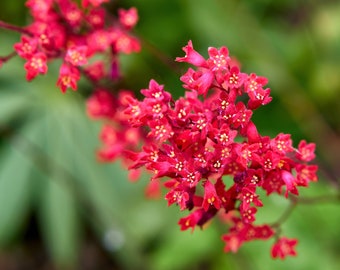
<point>284,247</point>
<point>290,181</point>
<point>76,55</point>
<point>178,196</point>
<point>27,47</point>
<point>124,43</point>
<point>305,174</point>
<point>191,220</point>
<point>208,137</point>
<point>39,8</point>
<point>101,104</point>
<point>98,41</point>
<point>234,78</point>
<point>210,196</point>
<point>95,71</point>
<point>248,197</point>
<point>282,144</point>
<point>35,65</point>
<point>199,81</point>
<point>305,151</point>
<point>128,18</point>
<point>192,56</point>
<point>65,30</point>
<point>96,17</point>
<point>68,77</point>
<point>71,13</point>
<point>218,59</point>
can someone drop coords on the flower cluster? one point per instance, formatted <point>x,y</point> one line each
<point>209,150</point>
<point>62,29</point>
<point>116,134</point>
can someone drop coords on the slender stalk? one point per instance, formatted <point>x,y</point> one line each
<point>295,201</point>
<point>286,214</point>
<point>14,28</point>
<point>318,199</point>
<point>4,59</point>
<point>165,59</point>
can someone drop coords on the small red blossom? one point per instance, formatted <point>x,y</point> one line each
<point>76,55</point>
<point>306,174</point>
<point>96,18</point>
<point>153,189</point>
<point>305,151</point>
<point>101,104</point>
<point>36,65</point>
<point>178,196</point>
<point>191,220</point>
<point>68,77</point>
<point>39,8</point>
<point>282,143</point>
<point>128,18</point>
<point>199,81</point>
<point>95,71</point>
<point>124,43</point>
<point>291,183</point>
<point>192,56</point>
<point>210,196</point>
<point>71,13</point>
<point>284,247</point>
<point>98,41</point>
<point>248,196</point>
<point>254,83</point>
<point>218,58</point>
<point>27,47</point>
<point>234,78</point>
<point>233,242</point>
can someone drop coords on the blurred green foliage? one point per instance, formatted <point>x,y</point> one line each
<point>48,169</point>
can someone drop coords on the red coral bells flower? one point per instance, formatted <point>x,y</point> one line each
<point>192,56</point>
<point>27,47</point>
<point>77,34</point>
<point>210,197</point>
<point>128,18</point>
<point>68,77</point>
<point>101,105</point>
<point>305,151</point>
<point>76,55</point>
<point>35,65</point>
<point>207,144</point>
<point>284,247</point>
<point>117,137</point>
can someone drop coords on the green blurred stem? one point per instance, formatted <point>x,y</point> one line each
<point>14,28</point>
<point>334,198</point>
<point>286,214</point>
<point>159,54</point>
<point>4,59</point>
<point>295,201</point>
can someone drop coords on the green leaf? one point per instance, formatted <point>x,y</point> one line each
<point>14,192</point>
<point>60,223</point>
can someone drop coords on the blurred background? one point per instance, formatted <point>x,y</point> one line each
<point>61,209</point>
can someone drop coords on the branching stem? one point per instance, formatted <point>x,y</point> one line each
<point>14,28</point>
<point>295,201</point>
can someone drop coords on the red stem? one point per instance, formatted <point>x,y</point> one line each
<point>14,28</point>
<point>4,59</point>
